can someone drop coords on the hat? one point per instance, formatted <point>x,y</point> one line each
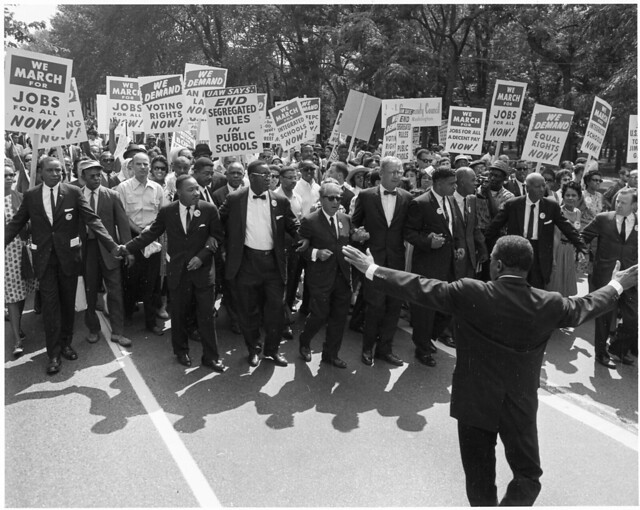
<point>502,166</point>
<point>355,171</point>
<point>89,163</point>
<point>133,149</point>
<point>461,157</point>
<point>202,161</point>
<point>477,162</point>
<point>202,149</point>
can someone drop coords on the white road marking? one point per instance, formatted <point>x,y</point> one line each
<point>183,459</point>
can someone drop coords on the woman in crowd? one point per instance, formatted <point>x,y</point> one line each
<point>564,273</point>
<point>158,174</point>
<point>16,287</point>
<point>592,203</point>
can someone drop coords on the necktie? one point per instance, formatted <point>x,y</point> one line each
<point>92,204</point>
<point>53,200</point>
<point>394,193</point>
<point>207,196</point>
<point>333,226</point>
<point>532,213</point>
<point>188,217</point>
<point>623,229</point>
<point>444,208</point>
<point>464,209</point>
<point>262,197</point>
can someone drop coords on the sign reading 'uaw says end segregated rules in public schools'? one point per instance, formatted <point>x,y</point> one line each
<point>37,92</point>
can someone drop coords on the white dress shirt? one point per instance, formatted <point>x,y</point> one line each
<point>309,194</point>
<point>46,199</point>
<point>444,205</point>
<point>258,234</point>
<point>527,211</point>
<point>206,196</point>
<point>314,251</point>
<point>183,215</point>
<point>388,203</point>
<point>87,194</point>
<point>629,224</point>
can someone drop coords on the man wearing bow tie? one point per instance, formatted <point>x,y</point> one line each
<point>534,217</point>
<point>382,211</point>
<point>255,221</point>
<point>430,227</point>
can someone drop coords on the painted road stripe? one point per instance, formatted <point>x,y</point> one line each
<point>183,459</point>
<point>606,427</point>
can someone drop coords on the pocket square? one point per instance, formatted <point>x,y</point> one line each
<point>547,222</point>
<point>68,210</point>
<point>278,217</point>
<point>203,225</point>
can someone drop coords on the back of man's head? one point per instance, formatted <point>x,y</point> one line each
<point>515,253</point>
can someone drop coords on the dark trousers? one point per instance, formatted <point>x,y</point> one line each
<point>58,294</point>
<point>95,272</point>
<point>260,289</point>
<point>330,308</point>
<point>478,453</point>
<point>380,319</point>
<point>427,324</point>
<point>626,333</point>
<point>140,282</point>
<point>182,298</point>
<point>535,277</point>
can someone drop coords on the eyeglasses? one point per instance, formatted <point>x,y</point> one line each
<point>334,198</point>
<point>424,160</point>
<point>275,176</point>
<point>108,160</point>
<point>163,168</point>
<point>9,175</point>
<point>549,180</point>
<point>260,174</point>
<point>596,180</point>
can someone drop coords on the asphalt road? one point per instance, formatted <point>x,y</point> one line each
<point>133,428</point>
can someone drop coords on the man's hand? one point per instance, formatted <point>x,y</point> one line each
<point>194,263</point>
<point>627,278</point>
<point>303,245</point>
<point>357,259</point>
<point>359,235</point>
<point>323,254</point>
<point>130,260</point>
<point>459,254</point>
<point>212,244</point>
<point>437,240</point>
<point>113,124</point>
<point>119,251</point>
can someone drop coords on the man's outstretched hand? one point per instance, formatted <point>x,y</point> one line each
<point>627,278</point>
<point>357,259</point>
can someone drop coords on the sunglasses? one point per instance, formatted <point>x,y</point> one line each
<point>424,160</point>
<point>163,168</point>
<point>596,180</point>
<point>108,160</point>
<point>334,198</point>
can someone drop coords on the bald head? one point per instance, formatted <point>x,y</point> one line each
<point>536,186</point>
<point>465,181</point>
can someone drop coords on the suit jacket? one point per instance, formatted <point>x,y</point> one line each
<point>70,207</point>
<point>217,182</point>
<point>501,330</point>
<point>471,237</point>
<point>512,215</point>
<point>234,218</point>
<point>423,220</point>
<point>347,196</point>
<point>611,247</point>
<point>115,220</point>
<point>322,274</point>
<point>220,195</point>
<point>386,242</point>
<point>513,187</point>
<point>181,246</point>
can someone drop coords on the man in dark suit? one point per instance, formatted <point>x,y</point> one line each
<point>328,274</point>
<point>235,176</point>
<point>339,171</point>
<point>502,328</point>
<point>430,228</point>
<point>617,234</point>
<point>98,263</point>
<point>190,224</point>
<point>382,211</point>
<point>55,209</point>
<point>517,184</point>
<point>466,221</point>
<point>203,173</point>
<point>534,217</point>
<point>255,221</point>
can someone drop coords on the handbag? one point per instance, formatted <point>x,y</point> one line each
<point>26,264</point>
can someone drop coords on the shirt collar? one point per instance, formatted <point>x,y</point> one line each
<point>329,217</point>
<point>529,202</point>
<point>458,196</point>
<point>438,197</point>
<point>383,189</point>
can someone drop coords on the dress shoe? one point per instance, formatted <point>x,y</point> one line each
<point>254,360</point>
<point>305,354</point>
<point>426,359</point>
<point>432,347</point>
<point>195,336</point>
<point>122,340</point>
<point>184,359</point>
<point>214,364</point>
<point>156,330</point>
<point>69,353</point>
<point>278,359</point>
<point>92,338</point>
<point>162,314</point>
<point>448,341</point>
<point>235,328</point>
<point>390,358</point>
<point>605,361</point>
<point>287,333</point>
<point>625,360</point>
<point>18,349</point>
<point>333,360</point>
<point>54,365</point>
<point>367,358</point>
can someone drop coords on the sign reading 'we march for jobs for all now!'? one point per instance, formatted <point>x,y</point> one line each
<point>123,102</point>
<point>506,108</point>
<point>37,92</point>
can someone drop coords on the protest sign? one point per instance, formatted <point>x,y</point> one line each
<point>123,102</point>
<point>233,121</point>
<point>427,111</point>
<point>359,115</point>
<point>290,123</point>
<point>404,135</point>
<point>335,137</point>
<point>465,130</point>
<point>182,140</point>
<point>415,142</point>
<point>101,113</point>
<point>76,131</point>
<point>506,108</point>
<point>163,103</point>
<point>262,106</point>
<point>269,131</point>
<point>442,132</point>
<point>197,79</point>
<point>36,93</point>
<point>311,110</point>
<point>632,142</point>
<point>390,138</point>
<point>596,128</point>
<point>547,134</point>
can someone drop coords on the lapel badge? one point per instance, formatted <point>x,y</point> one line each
<point>273,203</point>
<point>542,216</point>
<point>196,213</point>
<point>439,211</point>
<point>340,225</point>
<point>68,216</point>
